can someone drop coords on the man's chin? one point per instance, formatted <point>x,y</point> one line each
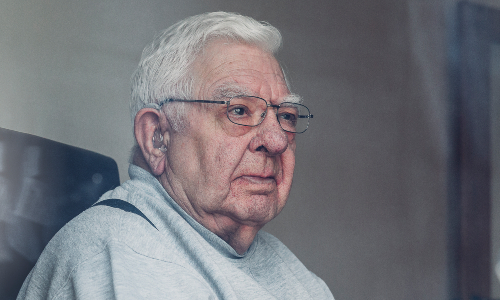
<point>257,210</point>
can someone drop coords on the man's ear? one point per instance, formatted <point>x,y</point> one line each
<point>146,123</point>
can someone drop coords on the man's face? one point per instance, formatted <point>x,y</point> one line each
<point>222,173</point>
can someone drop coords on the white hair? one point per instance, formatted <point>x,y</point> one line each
<point>165,67</point>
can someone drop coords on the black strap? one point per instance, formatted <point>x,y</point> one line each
<point>125,206</point>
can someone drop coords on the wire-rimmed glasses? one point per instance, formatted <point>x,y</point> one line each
<point>251,110</point>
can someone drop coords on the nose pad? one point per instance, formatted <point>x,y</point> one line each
<point>270,138</point>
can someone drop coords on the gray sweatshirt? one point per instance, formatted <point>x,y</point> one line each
<point>108,253</point>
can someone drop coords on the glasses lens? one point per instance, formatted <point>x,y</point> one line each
<point>246,110</point>
<point>293,117</point>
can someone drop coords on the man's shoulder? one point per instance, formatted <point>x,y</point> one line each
<point>103,242</point>
<point>90,232</point>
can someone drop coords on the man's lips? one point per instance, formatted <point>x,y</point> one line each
<point>256,179</point>
<point>255,184</point>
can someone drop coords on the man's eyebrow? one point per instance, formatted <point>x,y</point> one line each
<point>294,98</point>
<point>230,90</point>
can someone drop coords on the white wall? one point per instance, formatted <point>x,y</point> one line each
<point>368,208</point>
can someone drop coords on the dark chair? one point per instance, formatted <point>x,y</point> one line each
<point>43,185</point>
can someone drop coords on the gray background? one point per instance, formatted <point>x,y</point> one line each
<point>367,211</point>
<point>495,167</point>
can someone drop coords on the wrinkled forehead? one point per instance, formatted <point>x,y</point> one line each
<point>228,69</point>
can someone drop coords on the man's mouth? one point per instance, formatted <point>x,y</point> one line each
<point>258,179</point>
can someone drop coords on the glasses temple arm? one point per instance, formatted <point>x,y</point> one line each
<point>197,101</point>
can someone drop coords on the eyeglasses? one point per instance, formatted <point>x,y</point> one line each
<point>251,111</point>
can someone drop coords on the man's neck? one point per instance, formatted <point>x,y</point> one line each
<point>238,236</point>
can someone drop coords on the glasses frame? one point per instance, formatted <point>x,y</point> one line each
<point>228,102</point>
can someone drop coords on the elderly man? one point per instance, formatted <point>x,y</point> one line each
<point>215,125</point>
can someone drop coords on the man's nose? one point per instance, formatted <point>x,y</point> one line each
<point>270,137</point>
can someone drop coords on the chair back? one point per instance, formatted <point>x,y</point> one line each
<point>43,185</point>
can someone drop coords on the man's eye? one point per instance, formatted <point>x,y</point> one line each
<point>238,111</point>
<point>288,117</point>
